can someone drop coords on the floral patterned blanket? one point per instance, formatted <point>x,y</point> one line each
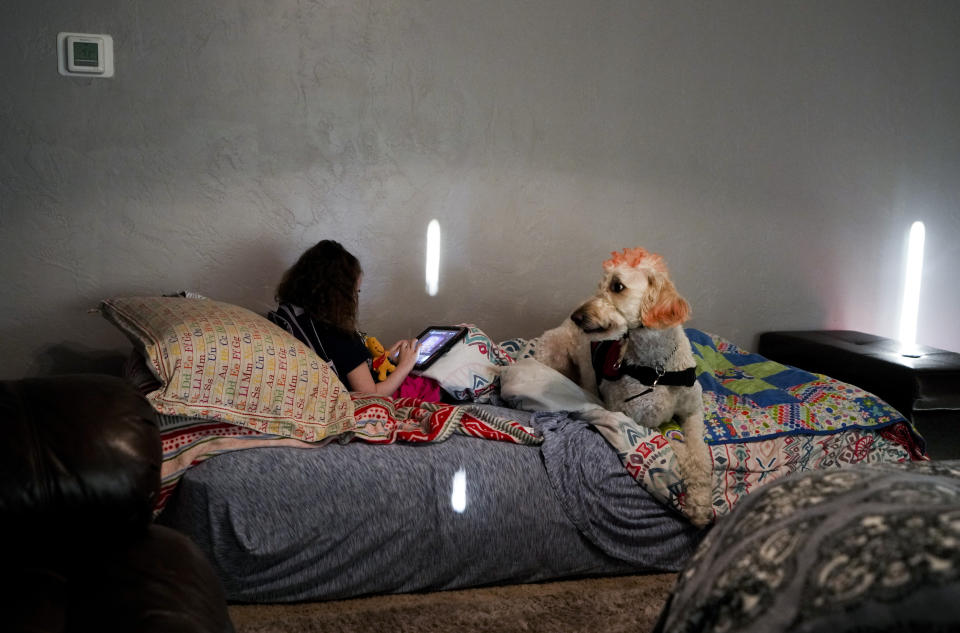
<point>864,549</point>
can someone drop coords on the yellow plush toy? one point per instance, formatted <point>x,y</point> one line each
<point>381,364</point>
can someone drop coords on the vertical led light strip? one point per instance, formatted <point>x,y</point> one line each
<point>458,496</point>
<point>911,291</point>
<point>433,257</point>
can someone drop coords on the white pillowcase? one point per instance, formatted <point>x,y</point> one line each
<point>471,368</point>
<point>530,385</point>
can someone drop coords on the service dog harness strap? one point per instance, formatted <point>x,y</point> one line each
<point>605,357</point>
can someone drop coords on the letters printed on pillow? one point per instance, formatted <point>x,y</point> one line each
<point>222,362</point>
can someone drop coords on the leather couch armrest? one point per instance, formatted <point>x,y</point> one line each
<point>80,459</point>
<point>157,584</point>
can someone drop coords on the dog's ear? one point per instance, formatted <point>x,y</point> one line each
<point>665,307</point>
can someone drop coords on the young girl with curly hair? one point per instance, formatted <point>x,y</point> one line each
<point>318,304</point>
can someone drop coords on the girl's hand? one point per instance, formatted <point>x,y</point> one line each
<point>393,352</point>
<point>406,351</point>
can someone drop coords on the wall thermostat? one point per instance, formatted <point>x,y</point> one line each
<point>85,55</point>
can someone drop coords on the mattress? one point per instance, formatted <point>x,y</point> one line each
<point>283,524</point>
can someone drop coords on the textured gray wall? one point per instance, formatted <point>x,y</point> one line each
<point>775,153</point>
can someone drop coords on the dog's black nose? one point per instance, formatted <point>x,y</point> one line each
<point>578,317</point>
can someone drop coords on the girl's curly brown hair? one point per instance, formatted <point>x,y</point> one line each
<point>324,283</point>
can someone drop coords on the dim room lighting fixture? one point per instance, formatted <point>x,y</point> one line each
<point>911,292</point>
<point>433,257</point>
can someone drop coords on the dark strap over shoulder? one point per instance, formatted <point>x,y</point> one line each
<point>605,356</point>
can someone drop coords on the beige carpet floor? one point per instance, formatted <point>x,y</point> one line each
<point>611,605</point>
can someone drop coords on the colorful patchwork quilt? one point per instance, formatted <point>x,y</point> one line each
<point>763,421</point>
<point>749,397</point>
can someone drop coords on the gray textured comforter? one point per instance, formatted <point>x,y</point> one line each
<point>343,520</point>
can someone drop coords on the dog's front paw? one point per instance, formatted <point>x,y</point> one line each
<point>700,516</point>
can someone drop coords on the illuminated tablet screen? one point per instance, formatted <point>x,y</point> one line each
<point>435,341</point>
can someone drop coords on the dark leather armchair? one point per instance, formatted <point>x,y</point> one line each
<point>79,472</point>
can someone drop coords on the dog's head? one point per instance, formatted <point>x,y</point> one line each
<point>636,291</point>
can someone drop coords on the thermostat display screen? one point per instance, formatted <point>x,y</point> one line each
<point>86,54</point>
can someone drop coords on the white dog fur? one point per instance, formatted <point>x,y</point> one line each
<point>636,302</point>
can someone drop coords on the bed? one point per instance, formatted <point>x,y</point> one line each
<point>299,491</point>
<point>460,513</point>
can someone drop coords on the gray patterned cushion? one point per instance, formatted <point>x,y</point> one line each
<point>870,548</point>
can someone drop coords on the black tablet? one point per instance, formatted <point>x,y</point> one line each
<point>435,341</point>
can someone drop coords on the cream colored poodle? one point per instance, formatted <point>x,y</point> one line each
<point>644,365</point>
